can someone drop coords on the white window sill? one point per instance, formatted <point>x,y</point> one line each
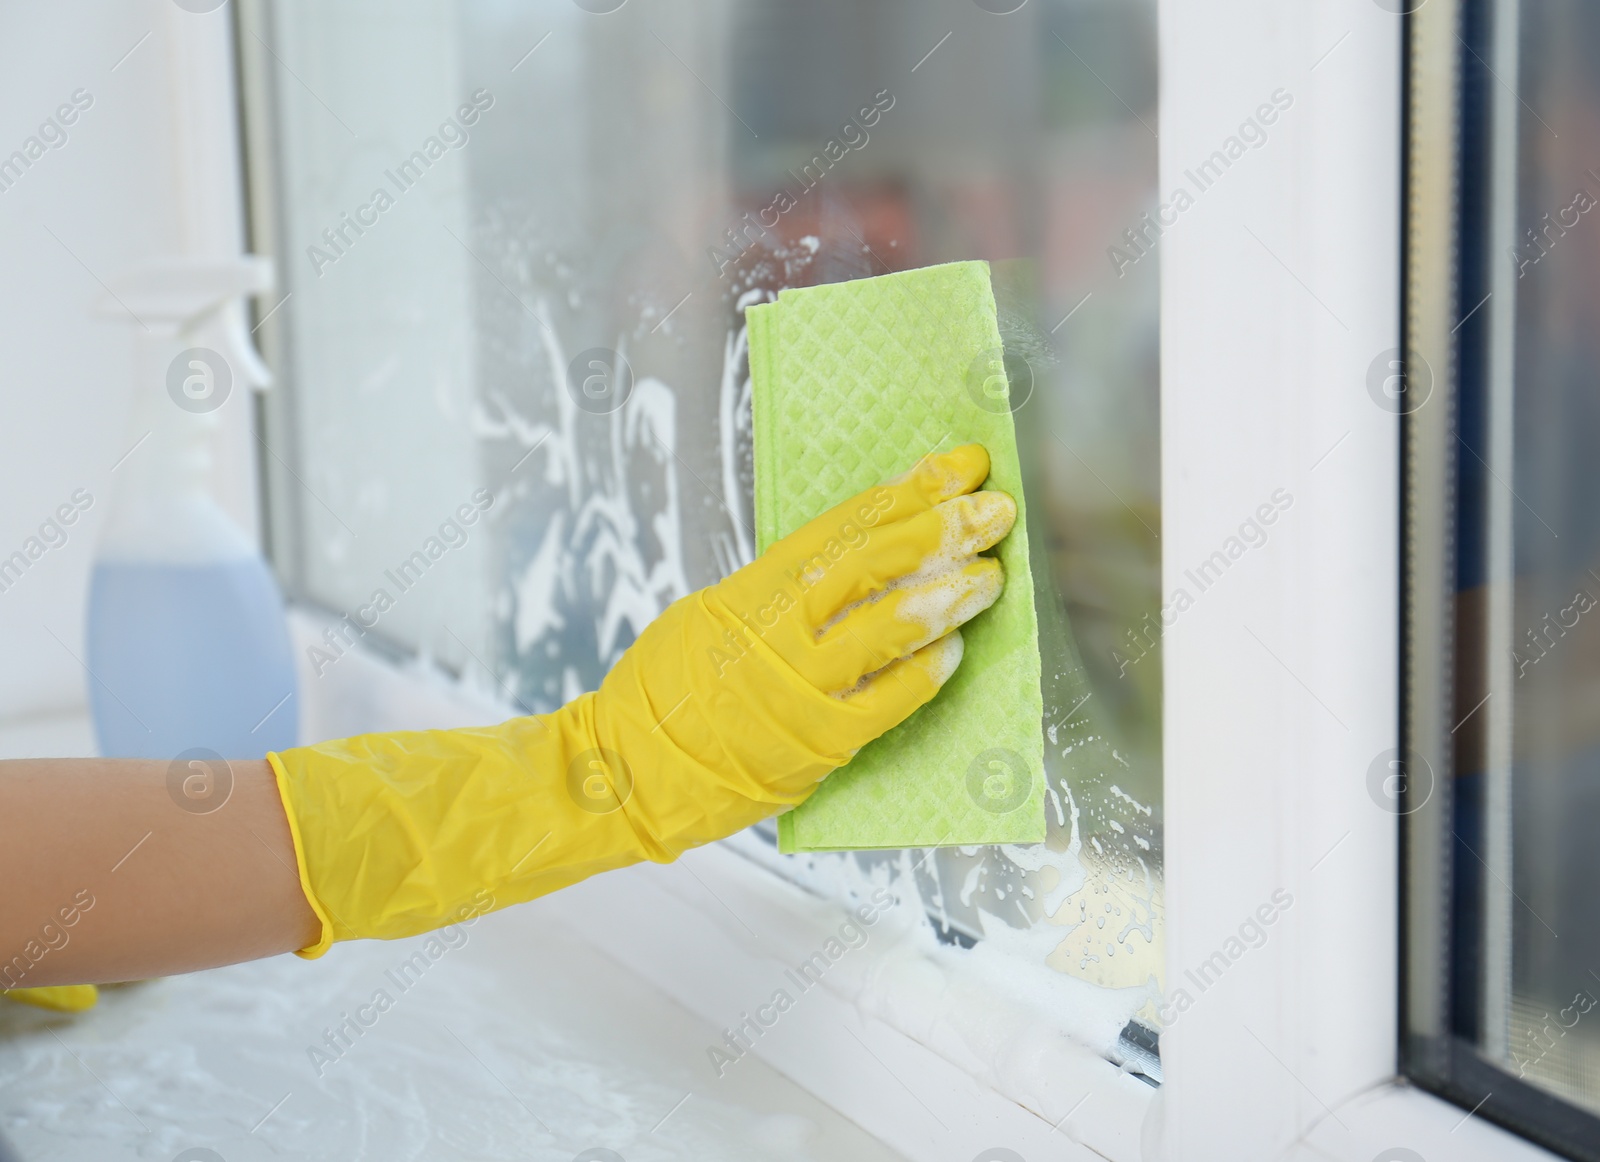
<point>905,1047</point>
<point>1396,1117</point>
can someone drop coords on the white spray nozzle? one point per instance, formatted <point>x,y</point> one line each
<point>177,296</point>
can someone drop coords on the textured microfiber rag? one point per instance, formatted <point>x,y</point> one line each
<point>853,383</point>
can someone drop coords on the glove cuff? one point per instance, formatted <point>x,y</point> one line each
<point>325,940</point>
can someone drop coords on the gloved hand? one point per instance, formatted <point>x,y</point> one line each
<point>62,998</point>
<point>732,705</point>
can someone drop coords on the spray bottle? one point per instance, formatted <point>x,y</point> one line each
<point>188,649</point>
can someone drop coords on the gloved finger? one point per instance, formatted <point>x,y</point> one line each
<point>938,477</point>
<point>901,622</point>
<point>931,481</point>
<point>932,541</point>
<point>892,694</point>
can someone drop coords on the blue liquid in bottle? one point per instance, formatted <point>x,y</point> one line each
<point>189,655</point>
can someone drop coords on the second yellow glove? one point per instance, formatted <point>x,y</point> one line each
<point>60,998</point>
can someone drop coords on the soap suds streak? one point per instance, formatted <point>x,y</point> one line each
<point>734,548</point>
<point>939,605</point>
<point>594,541</point>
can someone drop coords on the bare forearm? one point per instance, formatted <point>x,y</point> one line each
<point>106,874</point>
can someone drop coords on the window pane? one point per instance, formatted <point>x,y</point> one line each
<point>1552,539</point>
<point>1519,798</point>
<point>616,194</point>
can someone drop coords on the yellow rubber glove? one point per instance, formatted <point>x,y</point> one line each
<point>732,705</point>
<point>62,998</point>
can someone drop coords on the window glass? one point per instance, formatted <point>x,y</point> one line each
<point>490,195</point>
<point>1519,1009</point>
<point>1541,516</point>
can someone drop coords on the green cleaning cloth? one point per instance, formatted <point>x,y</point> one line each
<point>853,383</point>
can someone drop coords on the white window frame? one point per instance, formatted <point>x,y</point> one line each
<point>1282,685</point>
<point>1280,286</point>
